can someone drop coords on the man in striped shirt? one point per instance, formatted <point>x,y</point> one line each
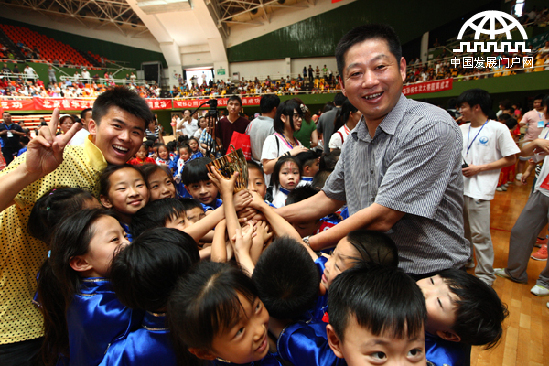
<point>400,169</point>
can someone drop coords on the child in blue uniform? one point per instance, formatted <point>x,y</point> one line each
<point>199,185</point>
<point>79,306</point>
<point>143,275</point>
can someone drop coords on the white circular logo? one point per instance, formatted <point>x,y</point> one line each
<point>487,25</point>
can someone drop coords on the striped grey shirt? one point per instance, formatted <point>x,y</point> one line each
<point>412,164</point>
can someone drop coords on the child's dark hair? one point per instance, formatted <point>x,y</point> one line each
<point>149,169</point>
<point>301,193</point>
<point>183,146</point>
<point>24,140</point>
<point>286,278</point>
<point>479,310</point>
<point>383,300</point>
<point>171,146</point>
<point>328,161</point>
<point>374,247</point>
<point>156,214</point>
<point>158,146</point>
<point>320,179</point>
<point>182,139</point>
<point>52,208</point>
<point>205,301</point>
<point>190,203</point>
<point>104,180</point>
<point>343,115</point>
<point>148,144</point>
<point>279,163</point>
<point>144,273</point>
<point>253,165</point>
<point>195,171</point>
<point>58,282</point>
<point>306,158</point>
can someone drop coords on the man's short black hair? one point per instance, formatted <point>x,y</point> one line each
<point>144,273</point>
<point>125,99</point>
<point>301,193</point>
<point>339,99</point>
<point>384,300</point>
<point>156,214</point>
<point>362,33</point>
<point>233,98</point>
<point>539,97</point>
<point>480,311</point>
<point>195,171</point>
<point>286,278</point>
<point>83,113</point>
<point>475,97</point>
<point>268,102</point>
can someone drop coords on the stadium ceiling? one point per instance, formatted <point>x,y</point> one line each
<point>249,12</point>
<point>118,13</point>
<point>90,13</point>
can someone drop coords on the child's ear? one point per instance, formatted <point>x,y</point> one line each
<point>448,335</point>
<point>333,341</point>
<point>203,354</point>
<point>80,264</point>
<point>105,202</point>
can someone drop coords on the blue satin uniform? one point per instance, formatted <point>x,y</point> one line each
<point>321,305</point>
<point>269,360</point>
<point>95,319</point>
<point>307,344</point>
<point>148,345</point>
<point>441,352</point>
<point>215,204</point>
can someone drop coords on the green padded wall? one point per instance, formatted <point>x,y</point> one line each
<point>318,36</point>
<point>110,50</point>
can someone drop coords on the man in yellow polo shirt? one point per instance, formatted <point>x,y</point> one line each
<point>117,128</point>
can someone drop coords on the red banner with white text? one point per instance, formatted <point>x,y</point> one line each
<point>62,104</point>
<point>221,102</point>
<point>16,105</point>
<point>428,87</point>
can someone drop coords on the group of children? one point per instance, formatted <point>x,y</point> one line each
<point>143,277</point>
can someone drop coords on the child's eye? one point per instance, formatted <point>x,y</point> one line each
<point>115,239</point>
<point>432,281</point>
<point>439,302</point>
<point>378,355</point>
<point>258,307</point>
<point>155,186</point>
<point>239,332</point>
<point>417,352</point>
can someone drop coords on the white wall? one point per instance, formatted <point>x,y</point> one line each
<point>278,68</point>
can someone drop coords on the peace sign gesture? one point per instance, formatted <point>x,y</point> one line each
<point>45,151</point>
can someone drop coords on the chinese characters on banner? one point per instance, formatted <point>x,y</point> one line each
<point>428,87</point>
<point>492,62</point>
<point>41,104</point>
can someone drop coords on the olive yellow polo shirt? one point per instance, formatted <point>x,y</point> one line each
<point>22,255</point>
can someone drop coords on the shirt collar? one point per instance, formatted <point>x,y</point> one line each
<point>93,155</point>
<point>389,123</point>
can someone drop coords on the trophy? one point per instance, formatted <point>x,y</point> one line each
<point>230,163</point>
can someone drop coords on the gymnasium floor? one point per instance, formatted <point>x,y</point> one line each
<point>526,331</point>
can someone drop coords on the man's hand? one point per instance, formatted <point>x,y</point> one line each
<point>45,151</point>
<point>471,171</point>
<point>541,146</point>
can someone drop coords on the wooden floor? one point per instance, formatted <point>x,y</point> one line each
<point>526,332</point>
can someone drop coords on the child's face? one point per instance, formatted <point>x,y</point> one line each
<point>343,257</point>
<point>360,347</point>
<point>179,222</point>
<point>163,152</point>
<point>247,341</point>
<point>184,153</point>
<point>193,145</point>
<point>289,175</point>
<point>128,193</point>
<point>203,123</point>
<point>141,153</point>
<point>107,238</point>
<point>256,182</point>
<point>160,186</point>
<point>440,303</point>
<point>306,228</point>
<point>204,191</point>
<point>194,215</point>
